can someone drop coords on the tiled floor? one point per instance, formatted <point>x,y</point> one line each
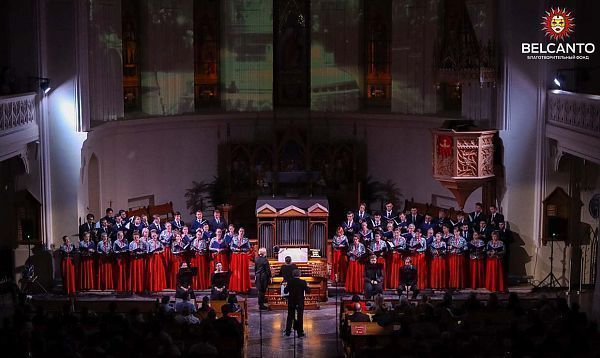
<point>319,327</point>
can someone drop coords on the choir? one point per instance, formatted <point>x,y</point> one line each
<point>132,255</point>
<point>466,253</point>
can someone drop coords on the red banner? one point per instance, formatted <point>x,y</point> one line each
<point>444,146</point>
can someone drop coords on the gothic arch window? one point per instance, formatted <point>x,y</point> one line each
<point>292,53</point>
<point>378,26</point>
<point>130,10</point>
<point>206,53</point>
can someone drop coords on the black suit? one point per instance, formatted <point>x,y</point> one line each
<point>388,217</point>
<point>85,227</point>
<point>262,274</point>
<point>365,217</point>
<point>214,225</point>
<point>286,271</point>
<point>197,225</point>
<point>159,228</point>
<point>115,229</point>
<point>408,277</point>
<point>373,272</point>
<point>494,219</point>
<point>475,218</point>
<point>350,228</point>
<point>296,288</point>
<point>359,317</point>
<point>438,223</point>
<point>108,230</point>
<point>176,226</point>
<point>418,221</point>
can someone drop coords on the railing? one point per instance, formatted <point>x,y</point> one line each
<point>17,110</point>
<point>576,111</point>
<point>588,256</point>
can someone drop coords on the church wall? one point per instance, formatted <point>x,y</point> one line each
<point>63,160</point>
<point>152,156</point>
<point>523,99</point>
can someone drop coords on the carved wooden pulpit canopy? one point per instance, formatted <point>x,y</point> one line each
<point>463,161</point>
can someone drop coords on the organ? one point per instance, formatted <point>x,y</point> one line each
<point>290,223</point>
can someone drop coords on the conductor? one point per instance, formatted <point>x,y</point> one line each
<point>296,288</point>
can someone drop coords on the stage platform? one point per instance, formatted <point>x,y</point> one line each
<point>100,300</point>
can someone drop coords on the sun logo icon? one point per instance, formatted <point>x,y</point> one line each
<point>558,23</point>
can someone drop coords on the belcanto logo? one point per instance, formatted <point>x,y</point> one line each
<point>558,25</point>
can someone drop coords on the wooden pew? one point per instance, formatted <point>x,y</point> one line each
<point>138,212</point>
<point>368,329</point>
<point>165,211</point>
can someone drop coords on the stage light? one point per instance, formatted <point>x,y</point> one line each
<point>558,80</point>
<point>44,84</point>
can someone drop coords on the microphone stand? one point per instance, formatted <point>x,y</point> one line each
<point>260,329</point>
<point>337,322</point>
<point>294,324</point>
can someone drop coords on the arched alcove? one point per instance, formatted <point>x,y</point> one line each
<point>94,186</point>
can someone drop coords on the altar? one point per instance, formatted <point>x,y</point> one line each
<point>295,227</point>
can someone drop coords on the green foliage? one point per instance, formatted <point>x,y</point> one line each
<point>203,196</point>
<point>375,191</point>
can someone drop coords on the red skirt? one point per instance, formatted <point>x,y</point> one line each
<point>105,273</point>
<point>157,278</point>
<point>137,274</point>
<point>167,258</point>
<point>439,273</point>
<point>494,275</point>
<point>476,273</point>
<point>176,261</point>
<point>458,271</point>
<point>223,258</point>
<point>202,280</point>
<point>87,279</point>
<point>339,265</point>
<point>420,261</point>
<point>355,280</point>
<point>120,274</point>
<point>240,272</point>
<point>68,275</point>
<point>393,275</point>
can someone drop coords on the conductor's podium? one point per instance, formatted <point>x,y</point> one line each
<point>314,272</point>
